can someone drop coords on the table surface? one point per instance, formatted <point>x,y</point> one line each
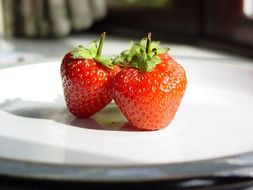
<point>19,51</point>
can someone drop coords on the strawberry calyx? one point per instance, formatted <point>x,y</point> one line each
<point>93,51</point>
<point>142,55</point>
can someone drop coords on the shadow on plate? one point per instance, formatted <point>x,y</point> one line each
<point>110,118</point>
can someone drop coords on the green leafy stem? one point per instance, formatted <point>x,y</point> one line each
<point>94,51</point>
<point>142,55</point>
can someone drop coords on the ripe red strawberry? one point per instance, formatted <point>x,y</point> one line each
<point>149,91</point>
<point>86,78</point>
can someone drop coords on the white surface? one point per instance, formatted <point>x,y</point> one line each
<point>214,120</point>
<point>38,49</point>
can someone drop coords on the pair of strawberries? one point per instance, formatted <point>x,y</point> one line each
<point>144,81</point>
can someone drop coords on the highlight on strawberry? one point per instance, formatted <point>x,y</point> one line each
<point>87,78</point>
<point>150,87</point>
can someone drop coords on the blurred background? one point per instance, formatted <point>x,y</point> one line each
<point>33,29</point>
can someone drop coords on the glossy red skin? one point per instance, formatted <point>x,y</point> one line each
<point>150,100</point>
<point>86,85</point>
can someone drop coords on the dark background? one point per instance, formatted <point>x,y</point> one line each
<point>218,24</point>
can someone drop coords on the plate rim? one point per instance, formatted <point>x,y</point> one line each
<point>214,167</point>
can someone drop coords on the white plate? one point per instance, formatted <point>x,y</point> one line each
<point>214,120</point>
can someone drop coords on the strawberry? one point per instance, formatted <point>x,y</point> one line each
<point>149,90</point>
<point>86,78</point>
